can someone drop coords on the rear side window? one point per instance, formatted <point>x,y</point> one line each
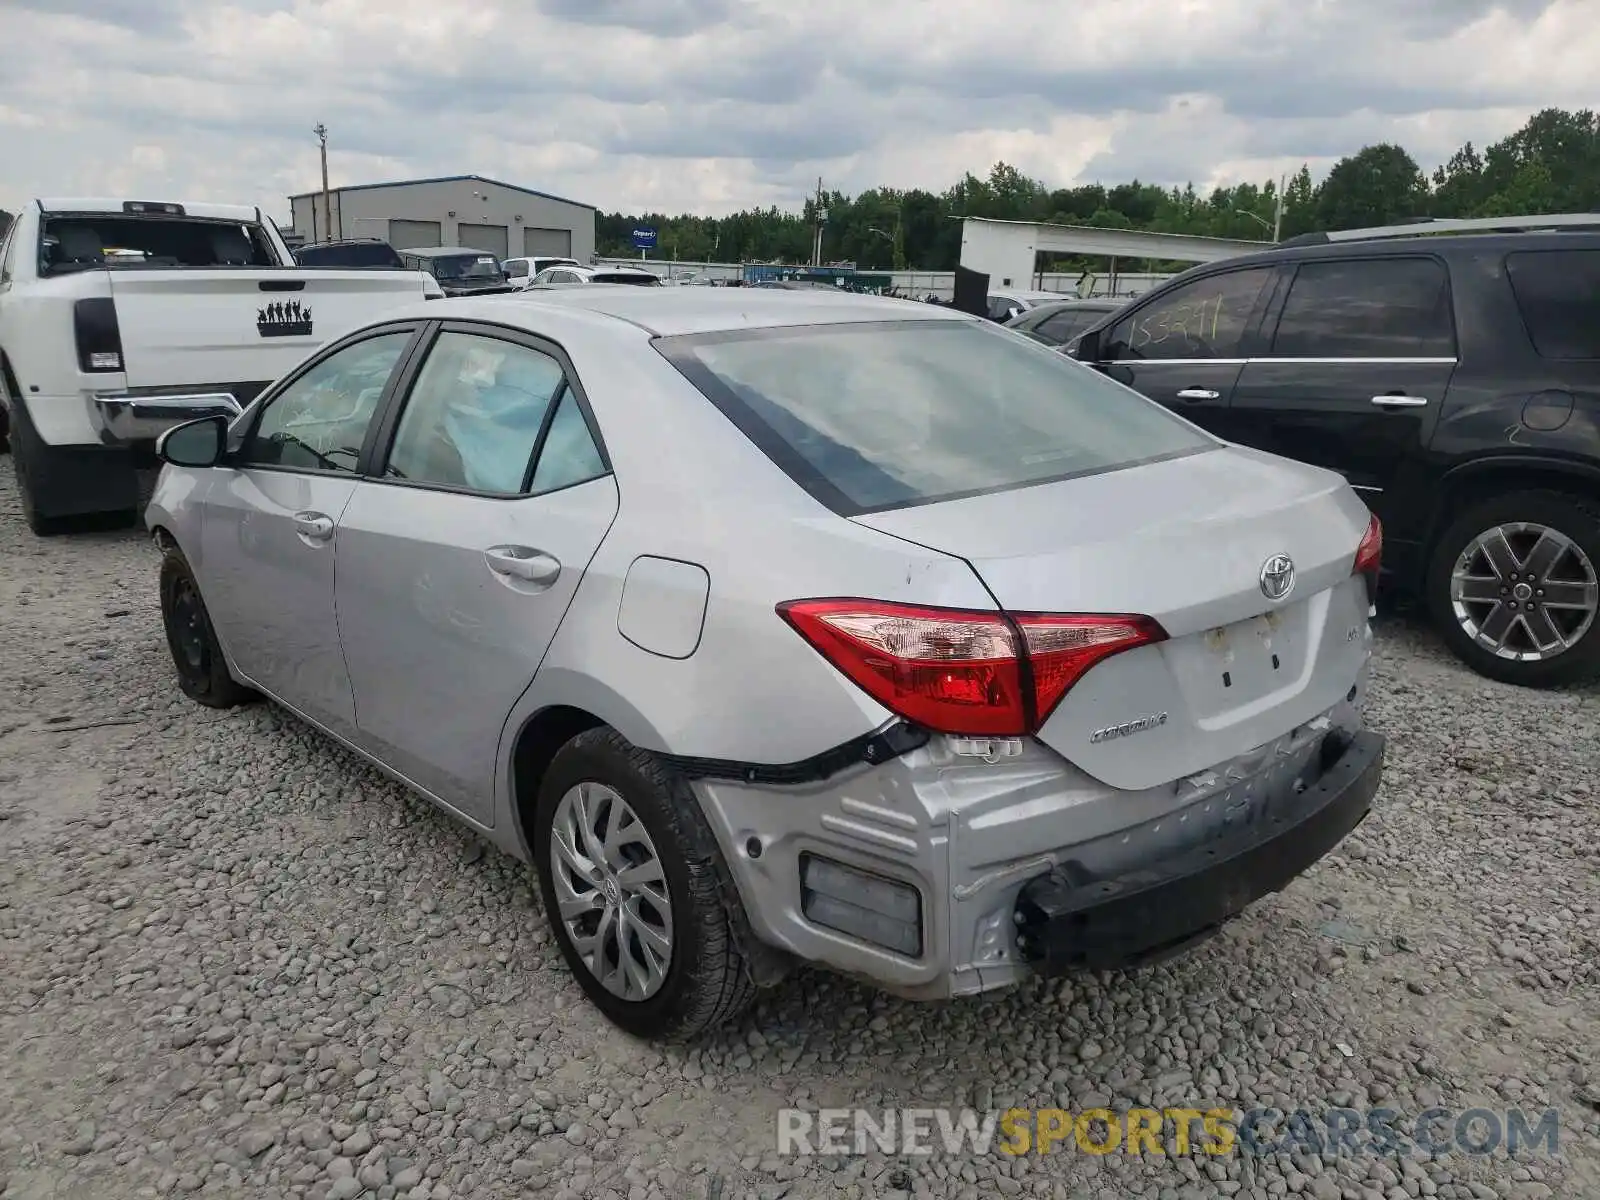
<point>881,415</point>
<point>1367,308</point>
<point>1558,292</point>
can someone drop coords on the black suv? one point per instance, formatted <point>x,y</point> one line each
<point>1450,370</point>
<point>352,252</point>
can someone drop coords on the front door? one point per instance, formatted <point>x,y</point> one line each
<point>1184,347</point>
<point>1355,370</point>
<point>271,527</point>
<point>458,559</point>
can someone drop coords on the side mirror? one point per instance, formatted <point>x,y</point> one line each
<point>197,443</point>
<point>1086,347</point>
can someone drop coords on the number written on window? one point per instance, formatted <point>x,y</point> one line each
<point>1204,319</point>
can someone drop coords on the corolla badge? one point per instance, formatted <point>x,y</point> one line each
<point>1277,577</point>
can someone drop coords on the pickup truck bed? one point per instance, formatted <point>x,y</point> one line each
<point>120,319</point>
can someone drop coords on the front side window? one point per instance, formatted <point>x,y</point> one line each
<point>884,415</point>
<point>517,268</point>
<point>1558,292</point>
<point>1367,308</point>
<point>1206,318</point>
<point>319,421</point>
<point>474,415</point>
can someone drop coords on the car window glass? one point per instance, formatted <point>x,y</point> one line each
<point>1058,327</point>
<point>569,454</point>
<point>1558,292</point>
<point>474,414</point>
<point>1000,308</point>
<point>318,422</point>
<point>1203,319</point>
<point>869,417</point>
<point>1367,308</point>
<point>517,268</point>
<point>7,245</point>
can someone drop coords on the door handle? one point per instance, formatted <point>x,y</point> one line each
<point>1395,400</point>
<point>524,563</point>
<point>1199,394</point>
<point>313,525</point>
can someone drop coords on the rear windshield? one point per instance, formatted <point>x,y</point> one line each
<point>637,278</point>
<point>81,242</point>
<point>883,415</point>
<point>358,254</point>
<point>465,266</point>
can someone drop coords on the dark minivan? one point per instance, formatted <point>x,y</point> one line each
<point>1450,370</point>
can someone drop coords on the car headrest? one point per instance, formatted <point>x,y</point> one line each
<point>78,244</point>
<point>231,247</point>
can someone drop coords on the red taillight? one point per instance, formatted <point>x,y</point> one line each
<point>954,671</point>
<point>1369,557</point>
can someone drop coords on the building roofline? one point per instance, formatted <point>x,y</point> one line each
<point>367,187</point>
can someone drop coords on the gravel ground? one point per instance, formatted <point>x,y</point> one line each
<point>236,962</point>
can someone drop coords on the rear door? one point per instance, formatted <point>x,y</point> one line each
<point>208,326</point>
<point>1355,367</point>
<point>489,494</point>
<point>1185,347</point>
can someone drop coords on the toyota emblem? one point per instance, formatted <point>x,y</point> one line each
<point>1277,577</point>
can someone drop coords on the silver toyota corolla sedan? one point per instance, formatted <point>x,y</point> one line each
<point>774,628</point>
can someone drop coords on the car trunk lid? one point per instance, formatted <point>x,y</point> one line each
<point>195,327</point>
<point>1185,542</point>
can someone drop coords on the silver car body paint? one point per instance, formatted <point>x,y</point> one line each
<point>411,654</point>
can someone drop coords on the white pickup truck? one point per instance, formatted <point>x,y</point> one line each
<point>121,318</point>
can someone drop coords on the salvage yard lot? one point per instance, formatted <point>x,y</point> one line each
<point>235,961</point>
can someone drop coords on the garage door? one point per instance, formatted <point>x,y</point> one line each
<point>553,243</point>
<point>490,238</point>
<point>410,235</point>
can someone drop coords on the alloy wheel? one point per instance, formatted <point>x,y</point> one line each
<point>611,890</point>
<point>1524,591</point>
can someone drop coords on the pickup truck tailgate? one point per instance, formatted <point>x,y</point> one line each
<point>205,327</point>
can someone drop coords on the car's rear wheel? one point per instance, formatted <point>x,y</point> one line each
<point>635,891</point>
<point>196,654</point>
<point>1514,586</point>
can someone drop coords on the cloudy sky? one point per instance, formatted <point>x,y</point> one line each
<point>715,105</point>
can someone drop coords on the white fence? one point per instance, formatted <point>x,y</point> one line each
<point>916,283</point>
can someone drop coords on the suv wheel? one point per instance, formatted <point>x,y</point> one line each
<point>1513,586</point>
<point>635,890</point>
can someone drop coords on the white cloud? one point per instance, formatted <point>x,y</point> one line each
<point>715,105</point>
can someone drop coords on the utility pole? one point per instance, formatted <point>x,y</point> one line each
<point>821,216</point>
<point>327,211</point>
<point>1277,217</point>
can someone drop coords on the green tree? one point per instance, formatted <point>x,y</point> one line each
<point>1379,185</point>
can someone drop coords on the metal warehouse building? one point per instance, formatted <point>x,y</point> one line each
<point>457,210</point>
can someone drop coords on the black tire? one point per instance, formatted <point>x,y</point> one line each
<point>196,655</point>
<point>1575,518</point>
<point>708,982</point>
<point>24,464</point>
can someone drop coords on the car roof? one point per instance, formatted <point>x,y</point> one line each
<point>441,251</point>
<point>667,312</point>
<point>1028,294</point>
<point>1422,243</point>
<point>61,206</point>
<point>1091,302</point>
